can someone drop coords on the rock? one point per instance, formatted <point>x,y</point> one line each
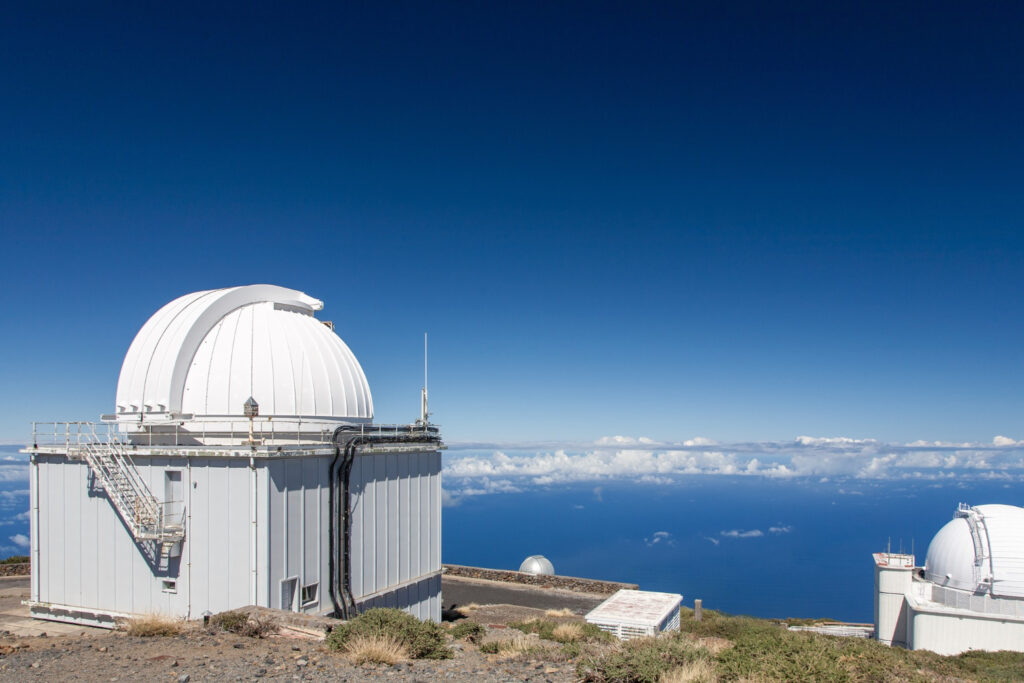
<point>103,649</point>
<point>295,648</point>
<point>238,646</point>
<point>301,662</point>
<point>36,664</point>
<point>184,678</point>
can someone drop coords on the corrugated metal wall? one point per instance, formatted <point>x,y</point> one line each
<point>396,531</point>
<point>297,525</point>
<point>88,559</point>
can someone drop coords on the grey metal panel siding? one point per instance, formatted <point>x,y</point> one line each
<point>88,558</point>
<point>297,519</point>
<point>421,599</point>
<point>395,530</point>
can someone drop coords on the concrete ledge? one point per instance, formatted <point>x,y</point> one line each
<point>569,583</point>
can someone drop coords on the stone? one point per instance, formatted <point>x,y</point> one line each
<point>184,678</point>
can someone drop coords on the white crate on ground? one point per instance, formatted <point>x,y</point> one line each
<point>634,614</point>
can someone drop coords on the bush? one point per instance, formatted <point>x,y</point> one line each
<point>468,630</point>
<point>513,647</point>
<point>564,632</point>
<point>153,625</point>
<point>643,660</point>
<point>16,559</point>
<point>375,649</point>
<point>422,639</point>
<point>242,624</point>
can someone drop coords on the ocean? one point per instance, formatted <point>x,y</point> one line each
<point>743,544</point>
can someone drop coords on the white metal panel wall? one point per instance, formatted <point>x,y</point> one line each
<point>218,541</point>
<point>891,586</point>
<point>951,634</point>
<point>396,530</point>
<point>298,544</point>
<point>422,599</point>
<point>88,559</point>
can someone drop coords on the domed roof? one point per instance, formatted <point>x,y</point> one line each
<point>982,549</point>
<point>537,565</point>
<point>207,352</point>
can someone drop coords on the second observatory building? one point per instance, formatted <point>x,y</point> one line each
<point>241,466</point>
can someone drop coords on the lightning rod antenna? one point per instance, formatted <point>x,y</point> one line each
<point>424,413</point>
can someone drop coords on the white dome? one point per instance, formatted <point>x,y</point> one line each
<point>205,353</point>
<point>537,565</point>
<point>982,549</point>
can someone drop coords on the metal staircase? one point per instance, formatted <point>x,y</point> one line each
<point>112,466</point>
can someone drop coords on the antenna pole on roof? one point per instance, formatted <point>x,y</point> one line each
<point>424,413</point>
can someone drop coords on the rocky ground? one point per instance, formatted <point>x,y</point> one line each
<point>201,654</point>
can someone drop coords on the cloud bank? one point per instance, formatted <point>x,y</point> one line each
<point>477,468</point>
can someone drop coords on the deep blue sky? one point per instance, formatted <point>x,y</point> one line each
<point>667,219</point>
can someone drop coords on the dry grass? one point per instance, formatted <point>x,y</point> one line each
<point>555,613</point>
<point>520,646</point>
<point>466,610</point>
<point>568,633</point>
<point>714,645</point>
<point>375,649</point>
<point>153,625</point>
<point>698,671</point>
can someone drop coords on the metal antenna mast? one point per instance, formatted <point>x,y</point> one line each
<point>424,413</point>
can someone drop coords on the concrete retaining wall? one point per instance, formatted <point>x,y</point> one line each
<point>571,583</point>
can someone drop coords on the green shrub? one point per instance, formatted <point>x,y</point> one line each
<point>242,624</point>
<point>423,639</point>
<point>552,630</point>
<point>490,648</point>
<point>643,660</point>
<point>572,650</point>
<point>469,630</point>
<point>16,559</point>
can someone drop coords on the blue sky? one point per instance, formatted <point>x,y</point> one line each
<point>746,224</point>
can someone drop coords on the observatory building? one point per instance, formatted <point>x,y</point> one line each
<point>241,466</point>
<point>970,593</point>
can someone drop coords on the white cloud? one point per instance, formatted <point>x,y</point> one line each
<point>20,540</point>
<point>713,540</point>
<point>624,441</point>
<point>741,533</point>
<point>659,537</point>
<point>781,529</point>
<point>475,471</point>
<point>13,471</point>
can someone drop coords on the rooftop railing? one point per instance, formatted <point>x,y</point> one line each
<point>220,433</point>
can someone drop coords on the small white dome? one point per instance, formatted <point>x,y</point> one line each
<point>982,549</point>
<point>537,565</point>
<point>204,354</point>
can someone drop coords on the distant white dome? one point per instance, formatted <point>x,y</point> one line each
<point>537,565</point>
<point>981,550</point>
<point>204,354</point>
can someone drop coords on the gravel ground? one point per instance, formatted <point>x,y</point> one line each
<point>202,656</point>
